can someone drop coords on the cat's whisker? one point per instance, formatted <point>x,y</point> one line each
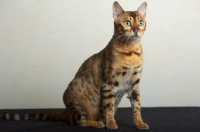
<point>127,40</point>
<point>118,38</point>
<point>124,37</point>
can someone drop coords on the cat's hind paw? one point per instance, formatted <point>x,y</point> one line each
<point>99,124</point>
<point>96,124</point>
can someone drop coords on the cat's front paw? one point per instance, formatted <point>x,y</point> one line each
<point>141,125</point>
<point>111,125</point>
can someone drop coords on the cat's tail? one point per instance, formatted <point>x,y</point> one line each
<point>61,116</point>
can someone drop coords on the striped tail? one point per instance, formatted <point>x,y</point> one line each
<point>61,116</point>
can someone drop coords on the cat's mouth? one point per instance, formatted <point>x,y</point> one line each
<point>134,36</point>
<point>129,38</point>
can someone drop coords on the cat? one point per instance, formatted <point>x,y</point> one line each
<point>92,97</point>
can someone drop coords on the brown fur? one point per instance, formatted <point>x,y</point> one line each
<point>92,97</point>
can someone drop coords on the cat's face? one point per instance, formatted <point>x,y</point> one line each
<point>130,25</point>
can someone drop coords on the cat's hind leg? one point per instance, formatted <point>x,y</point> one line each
<point>89,123</point>
<point>80,118</point>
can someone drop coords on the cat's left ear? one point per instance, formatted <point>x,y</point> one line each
<point>142,9</point>
<point>117,10</point>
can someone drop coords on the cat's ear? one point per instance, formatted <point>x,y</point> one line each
<point>142,9</point>
<point>117,10</point>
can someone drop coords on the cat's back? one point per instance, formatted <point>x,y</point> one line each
<point>84,90</point>
<point>88,76</point>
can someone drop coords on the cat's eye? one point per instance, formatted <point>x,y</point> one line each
<point>127,23</point>
<point>140,23</point>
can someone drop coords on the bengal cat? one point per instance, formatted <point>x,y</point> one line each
<point>92,97</point>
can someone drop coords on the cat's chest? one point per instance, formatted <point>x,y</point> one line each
<point>128,77</point>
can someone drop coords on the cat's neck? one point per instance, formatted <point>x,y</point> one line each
<point>124,44</point>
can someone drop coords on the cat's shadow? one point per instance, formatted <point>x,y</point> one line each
<point>127,125</point>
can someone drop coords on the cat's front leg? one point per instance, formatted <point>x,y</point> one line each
<point>134,97</point>
<point>108,98</point>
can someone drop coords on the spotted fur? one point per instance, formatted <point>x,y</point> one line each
<point>92,97</point>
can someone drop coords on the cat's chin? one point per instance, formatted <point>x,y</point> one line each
<point>135,38</point>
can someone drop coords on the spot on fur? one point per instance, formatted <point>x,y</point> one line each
<point>123,73</point>
<point>116,83</point>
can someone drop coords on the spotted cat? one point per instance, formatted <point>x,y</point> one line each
<point>92,97</point>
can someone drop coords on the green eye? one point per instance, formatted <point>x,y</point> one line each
<point>127,23</point>
<point>140,23</point>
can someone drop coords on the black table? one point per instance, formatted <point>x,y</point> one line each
<point>167,119</point>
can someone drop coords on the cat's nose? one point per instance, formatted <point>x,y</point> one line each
<point>135,31</point>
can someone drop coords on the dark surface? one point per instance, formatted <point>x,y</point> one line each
<point>178,119</point>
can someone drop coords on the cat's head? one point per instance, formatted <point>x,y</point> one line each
<point>130,25</point>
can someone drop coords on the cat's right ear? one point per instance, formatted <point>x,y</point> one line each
<point>117,10</point>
